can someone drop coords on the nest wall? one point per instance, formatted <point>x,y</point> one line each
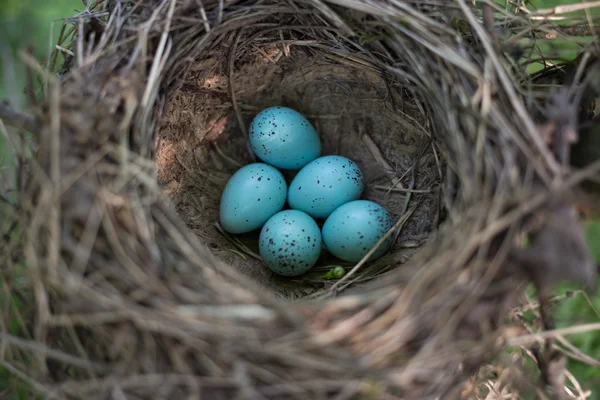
<point>133,296</point>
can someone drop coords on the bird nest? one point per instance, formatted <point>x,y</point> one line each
<point>133,291</point>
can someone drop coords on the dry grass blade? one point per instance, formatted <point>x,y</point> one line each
<point>238,114</point>
<point>237,243</point>
<point>393,230</point>
<point>58,355</point>
<point>529,339</point>
<point>566,9</point>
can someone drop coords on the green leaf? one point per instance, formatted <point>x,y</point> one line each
<point>334,273</point>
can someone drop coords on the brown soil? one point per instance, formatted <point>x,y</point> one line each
<point>201,144</point>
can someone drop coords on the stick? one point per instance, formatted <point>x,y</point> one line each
<point>534,337</point>
<point>236,107</point>
<point>51,353</point>
<point>402,190</point>
<point>362,262</point>
<point>376,153</point>
<point>565,9</point>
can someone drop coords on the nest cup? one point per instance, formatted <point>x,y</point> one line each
<point>359,110</point>
<point>133,293</point>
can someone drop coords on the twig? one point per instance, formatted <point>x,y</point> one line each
<point>508,85</point>
<point>54,126</point>
<point>576,30</point>
<point>236,107</point>
<point>17,119</point>
<point>79,43</point>
<point>236,242</point>
<point>264,54</point>
<point>66,51</point>
<point>590,302</point>
<point>401,190</point>
<point>580,391</point>
<point>161,52</point>
<point>229,311</point>
<point>376,153</point>
<point>203,15</point>
<point>568,8</point>
<point>534,337</point>
<point>29,381</point>
<point>239,253</point>
<point>488,19</point>
<point>575,353</point>
<point>364,260</point>
<point>226,157</point>
<point>532,305</point>
<point>284,47</point>
<point>220,13</point>
<point>50,353</point>
<point>416,158</point>
<point>86,16</point>
<point>535,201</point>
<point>51,62</point>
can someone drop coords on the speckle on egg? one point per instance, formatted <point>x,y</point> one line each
<point>290,243</point>
<point>354,228</point>
<point>252,195</point>
<point>283,138</point>
<point>325,184</point>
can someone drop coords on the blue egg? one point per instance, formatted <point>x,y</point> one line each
<point>354,228</point>
<point>252,195</point>
<point>324,185</point>
<point>282,137</point>
<point>290,243</point>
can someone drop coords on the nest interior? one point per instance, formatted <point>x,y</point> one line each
<point>359,111</point>
<point>123,300</point>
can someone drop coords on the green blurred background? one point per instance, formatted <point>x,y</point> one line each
<point>25,23</point>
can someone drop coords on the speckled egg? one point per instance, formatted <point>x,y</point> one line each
<point>324,185</point>
<point>252,195</point>
<point>282,137</point>
<point>354,228</point>
<point>290,243</point>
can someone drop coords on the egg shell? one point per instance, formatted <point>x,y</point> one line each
<point>325,184</point>
<point>354,228</point>
<point>282,137</point>
<point>290,243</point>
<point>252,195</point>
